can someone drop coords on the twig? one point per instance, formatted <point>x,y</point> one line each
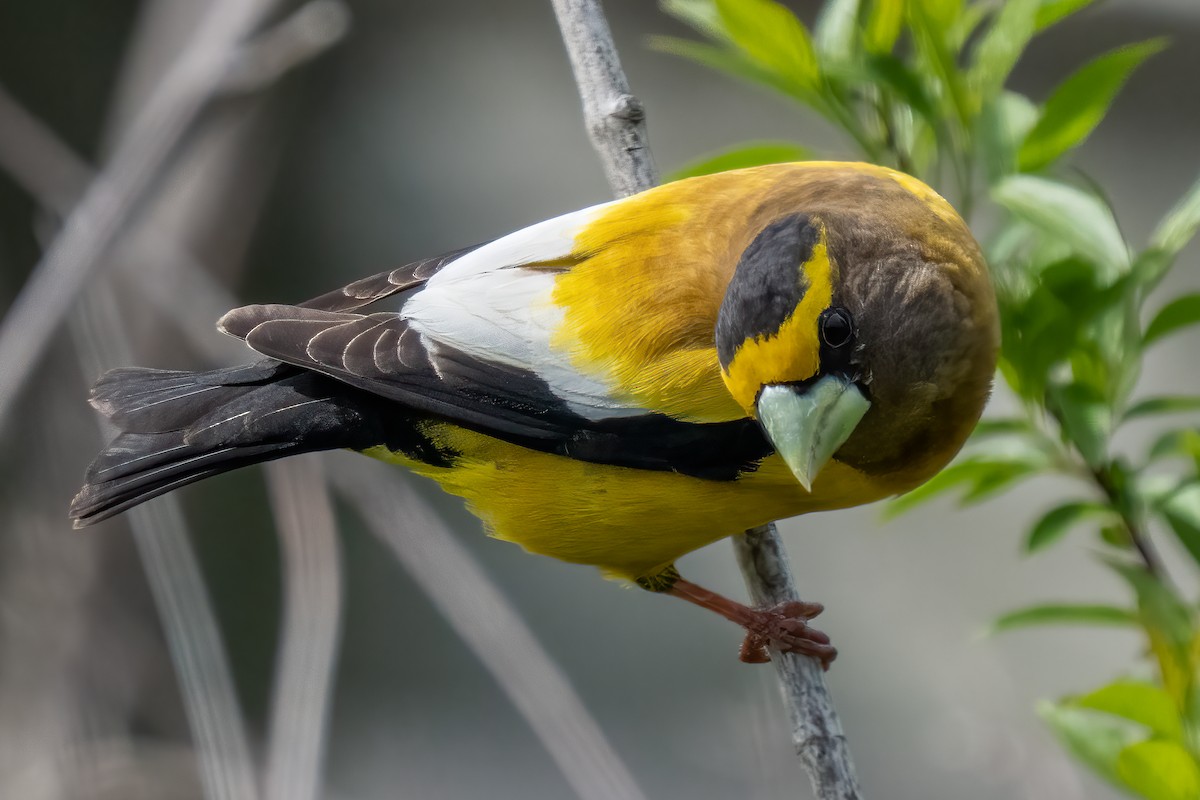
<point>486,620</point>
<point>93,226</point>
<point>816,729</point>
<point>620,140</point>
<point>160,532</point>
<point>615,118</point>
<point>490,626</point>
<point>1116,497</point>
<point>308,640</point>
<point>54,175</point>
<point>305,34</point>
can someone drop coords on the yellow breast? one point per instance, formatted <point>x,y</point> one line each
<point>628,522</point>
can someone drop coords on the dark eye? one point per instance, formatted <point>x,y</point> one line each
<point>837,328</point>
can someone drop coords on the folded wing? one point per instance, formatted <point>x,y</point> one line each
<point>476,346</point>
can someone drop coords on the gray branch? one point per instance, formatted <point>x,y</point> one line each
<point>524,670</point>
<point>489,625</point>
<point>616,120</point>
<point>616,124</point>
<point>816,729</point>
<point>94,225</point>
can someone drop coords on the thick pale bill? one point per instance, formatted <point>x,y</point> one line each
<point>808,424</point>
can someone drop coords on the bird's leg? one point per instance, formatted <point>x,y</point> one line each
<point>785,626</point>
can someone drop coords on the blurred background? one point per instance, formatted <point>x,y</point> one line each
<point>427,126</point>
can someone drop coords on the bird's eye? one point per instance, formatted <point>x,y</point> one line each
<point>837,328</point>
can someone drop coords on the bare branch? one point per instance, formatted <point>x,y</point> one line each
<point>523,669</point>
<point>93,226</point>
<point>194,639</point>
<point>615,123</point>
<point>305,34</point>
<point>308,640</point>
<point>616,120</point>
<point>816,729</point>
<point>491,627</point>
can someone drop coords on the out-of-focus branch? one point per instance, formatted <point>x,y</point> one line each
<point>308,640</point>
<point>197,652</point>
<point>523,669</point>
<point>57,178</point>
<point>92,227</point>
<point>490,626</point>
<point>615,121</point>
<point>305,34</point>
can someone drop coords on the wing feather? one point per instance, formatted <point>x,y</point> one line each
<point>479,344</point>
<point>368,290</point>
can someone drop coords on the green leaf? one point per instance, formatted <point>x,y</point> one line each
<point>1184,443</point>
<point>943,13</point>
<point>1053,11</point>
<point>1179,313</point>
<point>1170,237</point>
<point>1086,420</point>
<point>1179,225</point>
<point>893,73</point>
<point>753,154</point>
<point>1095,738</point>
<point>836,31</point>
<point>1181,510</point>
<point>978,476</point>
<point>1159,770</point>
<point>1005,40</point>
<point>1163,405</point>
<point>1064,614</point>
<point>883,25</point>
<point>1058,521</point>
<point>929,35</point>
<point>1144,703</point>
<point>1006,119</point>
<point>701,15</point>
<point>730,62</point>
<point>1005,426</point>
<point>1080,219</point>
<point>773,37</point>
<point>1158,606</point>
<point>1079,103</point>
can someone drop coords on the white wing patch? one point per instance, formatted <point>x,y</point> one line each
<point>485,305</point>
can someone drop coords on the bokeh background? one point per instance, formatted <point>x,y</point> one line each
<point>430,125</point>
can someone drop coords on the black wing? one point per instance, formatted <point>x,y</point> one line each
<point>383,355</point>
<point>368,290</point>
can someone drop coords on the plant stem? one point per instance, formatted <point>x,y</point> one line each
<point>1103,476</point>
<point>620,141</point>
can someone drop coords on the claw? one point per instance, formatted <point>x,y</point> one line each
<point>786,628</point>
<point>754,650</point>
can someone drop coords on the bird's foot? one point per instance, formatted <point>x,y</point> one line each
<point>786,628</point>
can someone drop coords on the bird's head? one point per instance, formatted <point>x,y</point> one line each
<point>863,332</point>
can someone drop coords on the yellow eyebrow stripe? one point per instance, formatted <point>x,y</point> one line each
<point>793,352</point>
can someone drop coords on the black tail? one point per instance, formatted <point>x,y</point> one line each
<point>179,427</point>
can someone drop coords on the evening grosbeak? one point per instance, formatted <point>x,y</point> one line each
<point>620,385</point>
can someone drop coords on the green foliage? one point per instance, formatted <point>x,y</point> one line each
<point>920,85</point>
<point>753,154</point>
<point>1079,103</point>
<point>1064,614</point>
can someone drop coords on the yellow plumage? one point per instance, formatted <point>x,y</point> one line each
<point>641,297</point>
<point>621,385</point>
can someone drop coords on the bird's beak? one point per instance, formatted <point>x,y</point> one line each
<point>807,424</point>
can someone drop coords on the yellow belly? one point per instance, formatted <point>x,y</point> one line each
<point>628,522</point>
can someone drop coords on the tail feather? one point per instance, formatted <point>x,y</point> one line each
<point>180,427</point>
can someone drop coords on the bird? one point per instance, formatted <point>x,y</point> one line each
<point>620,385</point>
